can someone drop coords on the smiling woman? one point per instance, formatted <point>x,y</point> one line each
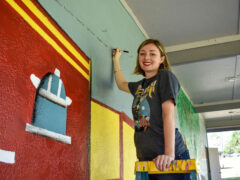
<point>156,49</point>
<point>155,96</point>
<point>150,59</point>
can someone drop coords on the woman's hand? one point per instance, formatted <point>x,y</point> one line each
<point>163,161</point>
<point>116,54</point>
<point>120,79</point>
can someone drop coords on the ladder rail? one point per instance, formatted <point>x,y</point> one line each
<point>177,166</point>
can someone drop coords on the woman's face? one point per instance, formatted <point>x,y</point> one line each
<point>149,58</point>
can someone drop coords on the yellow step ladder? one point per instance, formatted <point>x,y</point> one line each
<point>143,168</point>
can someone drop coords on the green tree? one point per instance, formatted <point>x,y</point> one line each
<point>228,149</point>
<point>235,141</point>
<point>234,144</point>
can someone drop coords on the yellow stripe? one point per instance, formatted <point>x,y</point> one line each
<point>59,36</point>
<point>46,37</point>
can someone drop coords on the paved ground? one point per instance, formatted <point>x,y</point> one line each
<point>237,178</point>
<point>230,167</point>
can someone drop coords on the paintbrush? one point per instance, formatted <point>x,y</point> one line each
<point>125,51</point>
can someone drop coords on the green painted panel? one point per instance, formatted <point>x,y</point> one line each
<point>192,127</point>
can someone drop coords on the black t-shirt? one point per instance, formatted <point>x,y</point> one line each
<point>149,94</point>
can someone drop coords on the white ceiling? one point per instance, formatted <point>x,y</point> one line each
<point>203,44</point>
<point>180,21</point>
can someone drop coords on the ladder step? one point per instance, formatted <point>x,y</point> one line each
<point>177,166</point>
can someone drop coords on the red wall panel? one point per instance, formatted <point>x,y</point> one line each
<point>23,52</point>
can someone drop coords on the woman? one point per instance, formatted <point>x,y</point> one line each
<point>156,138</point>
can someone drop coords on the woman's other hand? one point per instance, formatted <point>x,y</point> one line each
<point>163,161</point>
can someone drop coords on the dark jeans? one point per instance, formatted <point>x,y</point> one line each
<point>184,156</point>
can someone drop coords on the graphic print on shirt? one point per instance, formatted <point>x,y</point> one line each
<point>141,108</point>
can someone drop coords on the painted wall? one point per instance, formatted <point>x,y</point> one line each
<point>192,127</point>
<point>27,47</point>
<point>112,148</point>
<point>96,27</point>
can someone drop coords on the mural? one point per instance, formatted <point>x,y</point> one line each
<point>42,67</point>
<point>50,107</point>
<point>113,153</point>
<point>44,83</point>
<point>193,129</point>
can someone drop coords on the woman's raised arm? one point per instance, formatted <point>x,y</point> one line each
<point>119,77</point>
